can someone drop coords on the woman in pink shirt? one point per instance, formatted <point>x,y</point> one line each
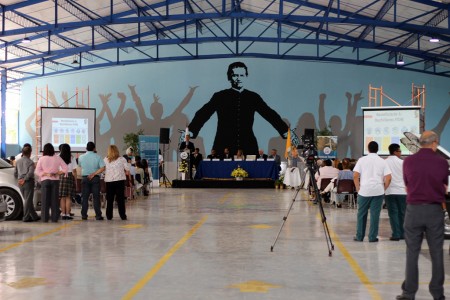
<point>48,168</point>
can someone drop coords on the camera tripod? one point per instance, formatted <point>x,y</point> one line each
<point>311,167</point>
<point>166,182</point>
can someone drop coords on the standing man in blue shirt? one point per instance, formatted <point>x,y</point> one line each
<point>426,179</point>
<point>92,166</point>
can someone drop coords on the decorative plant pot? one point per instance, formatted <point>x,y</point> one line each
<point>183,176</point>
<point>239,178</point>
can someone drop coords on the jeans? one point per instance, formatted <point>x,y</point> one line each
<point>90,187</point>
<point>50,198</point>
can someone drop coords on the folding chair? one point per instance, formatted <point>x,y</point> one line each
<point>347,187</point>
<point>139,185</point>
<point>324,182</point>
<point>103,192</point>
<point>129,188</point>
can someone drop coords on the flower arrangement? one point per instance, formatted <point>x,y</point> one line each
<point>280,179</point>
<point>239,172</point>
<point>183,167</point>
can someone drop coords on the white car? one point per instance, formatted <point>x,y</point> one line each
<point>10,195</point>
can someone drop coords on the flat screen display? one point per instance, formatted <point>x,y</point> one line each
<point>73,126</point>
<point>386,125</point>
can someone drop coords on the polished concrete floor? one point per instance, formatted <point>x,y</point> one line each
<point>205,244</point>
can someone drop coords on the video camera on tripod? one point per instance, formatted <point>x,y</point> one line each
<point>308,148</point>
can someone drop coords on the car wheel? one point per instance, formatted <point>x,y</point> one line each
<point>14,205</point>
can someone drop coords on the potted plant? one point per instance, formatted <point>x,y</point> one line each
<point>132,140</point>
<point>239,173</point>
<point>280,181</point>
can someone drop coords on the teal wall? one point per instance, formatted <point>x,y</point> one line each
<point>291,88</point>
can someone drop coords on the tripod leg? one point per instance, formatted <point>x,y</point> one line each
<point>330,244</point>
<point>285,218</point>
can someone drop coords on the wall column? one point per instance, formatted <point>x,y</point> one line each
<point>3,105</point>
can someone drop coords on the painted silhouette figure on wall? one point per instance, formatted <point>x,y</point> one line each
<point>335,122</point>
<point>236,108</point>
<point>176,120</point>
<point>124,121</point>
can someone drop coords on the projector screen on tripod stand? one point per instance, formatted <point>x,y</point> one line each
<point>73,126</point>
<point>386,125</point>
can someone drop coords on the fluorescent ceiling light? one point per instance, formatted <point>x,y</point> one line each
<point>26,40</point>
<point>434,40</point>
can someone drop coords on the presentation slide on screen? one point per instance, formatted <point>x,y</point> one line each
<point>70,131</point>
<point>73,126</point>
<point>386,125</point>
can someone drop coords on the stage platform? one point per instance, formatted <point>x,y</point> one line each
<point>225,183</point>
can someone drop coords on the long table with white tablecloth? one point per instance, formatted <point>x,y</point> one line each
<point>223,169</point>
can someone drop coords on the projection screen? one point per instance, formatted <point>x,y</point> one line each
<point>386,125</point>
<point>74,126</point>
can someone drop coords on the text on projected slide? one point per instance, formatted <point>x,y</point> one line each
<point>70,131</point>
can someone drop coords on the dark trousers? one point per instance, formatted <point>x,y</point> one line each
<point>27,190</point>
<point>421,219</point>
<point>49,198</point>
<point>373,203</point>
<point>115,189</point>
<point>90,187</point>
<point>396,206</point>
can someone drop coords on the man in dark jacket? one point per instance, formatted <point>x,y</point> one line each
<point>235,108</point>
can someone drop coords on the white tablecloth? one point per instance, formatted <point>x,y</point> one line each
<point>292,177</point>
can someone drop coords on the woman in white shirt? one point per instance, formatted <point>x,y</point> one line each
<point>117,171</point>
<point>67,183</point>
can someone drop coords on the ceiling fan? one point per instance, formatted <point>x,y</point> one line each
<point>411,142</point>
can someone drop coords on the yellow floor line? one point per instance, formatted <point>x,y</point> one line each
<point>33,238</point>
<point>352,262</point>
<point>224,198</point>
<point>147,277</point>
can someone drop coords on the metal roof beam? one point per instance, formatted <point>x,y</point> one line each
<point>83,16</point>
<point>381,13</point>
<point>433,22</point>
<point>249,55</point>
<point>422,29</point>
<point>368,45</point>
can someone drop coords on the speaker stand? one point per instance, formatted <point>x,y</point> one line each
<point>166,182</point>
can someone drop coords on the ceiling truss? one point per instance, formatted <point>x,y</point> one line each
<point>372,33</point>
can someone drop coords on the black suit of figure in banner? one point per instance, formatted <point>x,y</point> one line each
<point>236,108</point>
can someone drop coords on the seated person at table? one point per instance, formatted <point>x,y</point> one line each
<point>213,154</point>
<point>239,155</point>
<point>275,156</point>
<point>261,154</point>
<point>196,158</point>
<point>226,154</point>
